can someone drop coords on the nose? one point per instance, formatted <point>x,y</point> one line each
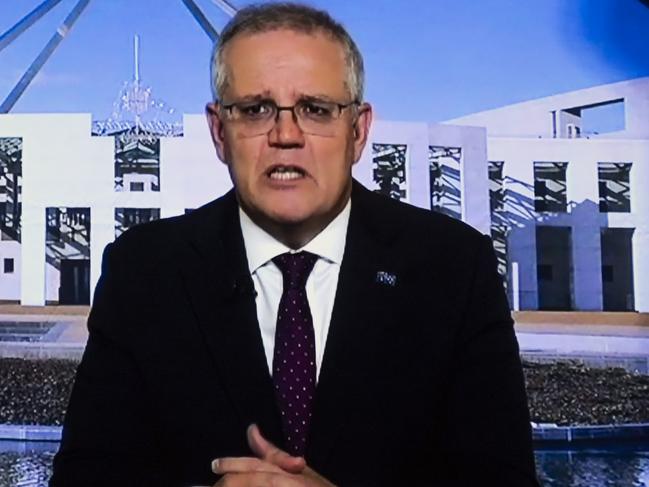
<point>286,132</point>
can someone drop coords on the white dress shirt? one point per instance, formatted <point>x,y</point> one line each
<point>261,248</point>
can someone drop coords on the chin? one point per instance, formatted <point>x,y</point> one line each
<point>289,217</point>
<point>288,210</point>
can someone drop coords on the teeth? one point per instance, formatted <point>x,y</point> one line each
<point>285,175</point>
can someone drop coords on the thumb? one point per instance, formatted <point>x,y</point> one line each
<point>265,450</point>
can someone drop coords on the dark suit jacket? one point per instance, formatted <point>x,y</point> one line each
<point>421,382</point>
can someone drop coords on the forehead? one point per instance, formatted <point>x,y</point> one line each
<point>286,64</point>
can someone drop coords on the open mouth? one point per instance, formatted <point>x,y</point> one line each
<point>286,173</point>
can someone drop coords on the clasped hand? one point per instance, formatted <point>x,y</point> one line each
<point>271,467</point>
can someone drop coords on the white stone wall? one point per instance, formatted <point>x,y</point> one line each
<point>417,137</point>
<point>62,166</point>
<point>583,215</point>
<point>639,218</point>
<point>190,172</point>
<point>534,118</point>
<point>65,166</point>
<point>10,283</point>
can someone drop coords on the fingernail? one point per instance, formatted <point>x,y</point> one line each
<point>215,465</point>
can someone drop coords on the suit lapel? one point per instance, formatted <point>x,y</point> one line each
<point>353,331</point>
<point>222,295</point>
<point>221,291</point>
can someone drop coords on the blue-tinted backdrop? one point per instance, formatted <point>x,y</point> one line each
<point>426,60</point>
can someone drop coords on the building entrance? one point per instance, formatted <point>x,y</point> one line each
<point>617,269</point>
<point>554,267</point>
<point>75,281</point>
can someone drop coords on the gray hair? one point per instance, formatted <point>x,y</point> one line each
<point>293,16</point>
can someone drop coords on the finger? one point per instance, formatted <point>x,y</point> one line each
<point>243,465</point>
<point>259,479</point>
<point>265,450</point>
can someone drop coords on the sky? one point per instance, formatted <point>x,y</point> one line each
<point>425,60</point>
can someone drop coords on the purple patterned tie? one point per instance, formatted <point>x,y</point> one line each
<point>294,368</point>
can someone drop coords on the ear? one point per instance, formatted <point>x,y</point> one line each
<point>362,129</point>
<point>216,129</point>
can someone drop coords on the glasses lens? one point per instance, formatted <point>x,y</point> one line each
<point>259,117</point>
<point>254,112</point>
<point>253,118</point>
<point>317,117</point>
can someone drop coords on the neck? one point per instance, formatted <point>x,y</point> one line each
<point>295,236</point>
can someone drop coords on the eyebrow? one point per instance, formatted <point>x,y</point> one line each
<point>316,98</point>
<point>266,96</point>
<point>258,97</point>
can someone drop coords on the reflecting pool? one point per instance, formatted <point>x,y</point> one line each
<point>25,464</point>
<point>610,467</point>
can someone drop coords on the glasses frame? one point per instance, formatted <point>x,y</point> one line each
<point>290,108</point>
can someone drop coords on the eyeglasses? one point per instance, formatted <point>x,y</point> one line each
<point>315,117</point>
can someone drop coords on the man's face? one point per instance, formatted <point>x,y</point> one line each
<point>287,66</point>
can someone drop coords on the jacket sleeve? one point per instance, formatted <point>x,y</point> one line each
<point>489,434</point>
<point>108,436</point>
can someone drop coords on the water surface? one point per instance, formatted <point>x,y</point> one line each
<point>29,464</point>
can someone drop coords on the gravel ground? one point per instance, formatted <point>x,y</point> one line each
<point>36,392</point>
<point>568,393</point>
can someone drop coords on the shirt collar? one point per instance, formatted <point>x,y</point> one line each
<point>261,247</point>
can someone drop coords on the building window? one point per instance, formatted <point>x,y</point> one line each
<point>496,186</point>
<point>614,187</point>
<point>550,188</point>
<point>618,291</point>
<point>555,272</point>
<point>126,218</point>
<point>445,170</point>
<point>8,266</point>
<point>499,220</point>
<point>10,188</point>
<point>137,156</point>
<point>389,169</point>
<point>52,225</point>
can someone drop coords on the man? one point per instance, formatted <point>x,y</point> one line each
<point>300,330</point>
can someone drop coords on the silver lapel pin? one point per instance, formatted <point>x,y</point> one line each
<point>386,278</point>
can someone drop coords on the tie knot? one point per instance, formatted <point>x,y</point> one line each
<point>295,268</point>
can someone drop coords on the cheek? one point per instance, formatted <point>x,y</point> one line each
<point>244,158</point>
<point>257,156</point>
<point>332,161</point>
